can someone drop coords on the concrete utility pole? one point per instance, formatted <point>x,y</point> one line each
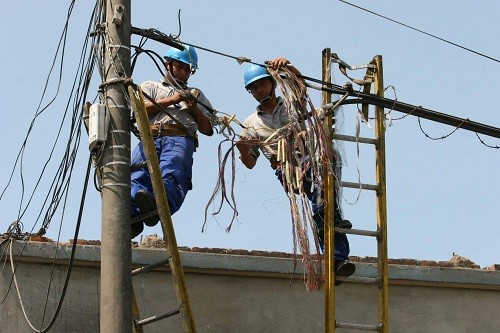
<point>116,250</point>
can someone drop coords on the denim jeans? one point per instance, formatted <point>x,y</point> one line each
<point>175,154</point>
<point>316,194</point>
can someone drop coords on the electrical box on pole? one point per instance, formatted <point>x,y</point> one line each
<point>97,126</point>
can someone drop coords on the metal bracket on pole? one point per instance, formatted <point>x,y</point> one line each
<point>118,15</point>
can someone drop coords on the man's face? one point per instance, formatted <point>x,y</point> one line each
<point>261,88</point>
<point>181,71</point>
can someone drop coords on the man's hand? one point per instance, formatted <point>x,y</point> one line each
<point>244,144</point>
<point>243,147</point>
<point>246,155</point>
<point>190,98</point>
<point>278,63</point>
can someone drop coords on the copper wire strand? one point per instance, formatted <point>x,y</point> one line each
<point>303,146</point>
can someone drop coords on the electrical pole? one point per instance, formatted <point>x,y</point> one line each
<point>116,249</point>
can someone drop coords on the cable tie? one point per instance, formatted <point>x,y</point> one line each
<point>119,46</point>
<point>115,184</point>
<point>119,147</point>
<point>117,163</point>
<point>125,81</point>
<point>241,60</point>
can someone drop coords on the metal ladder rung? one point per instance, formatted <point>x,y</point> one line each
<point>361,327</point>
<point>350,138</point>
<point>149,267</point>
<point>358,279</point>
<point>362,186</point>
<point>144,216</point>
<point>153,319</point>
<point>358,232</point>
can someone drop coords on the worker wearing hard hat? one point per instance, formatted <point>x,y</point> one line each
<point>270,115</point>
<point>176,113</point>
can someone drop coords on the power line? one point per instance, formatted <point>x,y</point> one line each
<point>421,31</point>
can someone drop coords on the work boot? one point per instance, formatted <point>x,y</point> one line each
<point>344,224</point>
<point>343,268</point>
<point>146,204</point>
<point>137,228</point>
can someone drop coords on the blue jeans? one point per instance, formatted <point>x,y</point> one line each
<point>175,154</point>
<point>315,195</point>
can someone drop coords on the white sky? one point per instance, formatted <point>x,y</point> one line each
<point>442,194</point>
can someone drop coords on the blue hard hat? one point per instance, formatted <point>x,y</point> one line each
<point>254,73</point>
<point>187,56</point>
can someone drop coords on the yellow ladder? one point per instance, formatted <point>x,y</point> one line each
<point>163,211</point>
<point>380,188</point>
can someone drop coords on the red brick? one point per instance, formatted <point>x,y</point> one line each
<point>241,252</point>
<point>428,263</point>
<point>444,264</point>
<point>259,253</point>
<point>36,238</point>
<point>495,267</point>
<point>200,249</point>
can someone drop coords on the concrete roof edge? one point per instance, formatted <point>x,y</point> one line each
<point>221,263</point>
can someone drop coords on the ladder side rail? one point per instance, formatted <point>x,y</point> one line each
<point>135,314</point>
<point>329,197</point>
<point>383,292</point>
<point>163,209</point>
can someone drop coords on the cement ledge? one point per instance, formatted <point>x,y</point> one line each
<point>251,265</point>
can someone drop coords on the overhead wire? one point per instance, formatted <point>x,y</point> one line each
<point>68,271</point>
<point>38,112</point>
<point>61,175</point>
<point>325,86</point>
<point>42,109</point>
<point>62,178</point>
<point>375,100</point>
<point>421,31</point>
<point>241,60</point>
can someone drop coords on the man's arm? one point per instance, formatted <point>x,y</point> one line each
<point>246,155</point>
<point>204,124</point>
<point>153,110</point>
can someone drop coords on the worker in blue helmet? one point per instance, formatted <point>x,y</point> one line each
<point>188,56</point>
<point>270,115</point>
<point>176,114</point>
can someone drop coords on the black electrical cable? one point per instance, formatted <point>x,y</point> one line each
<point>423,32</point>
<point>150,53</point>
<point>73,248</point>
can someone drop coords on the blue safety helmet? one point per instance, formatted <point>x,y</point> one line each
<point>187,56</point>
<point>254,73</point>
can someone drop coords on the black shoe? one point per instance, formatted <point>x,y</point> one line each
<point>344,224</point>
<point>146,204</point>
<point>343,268</point>
<point>137,228</point>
